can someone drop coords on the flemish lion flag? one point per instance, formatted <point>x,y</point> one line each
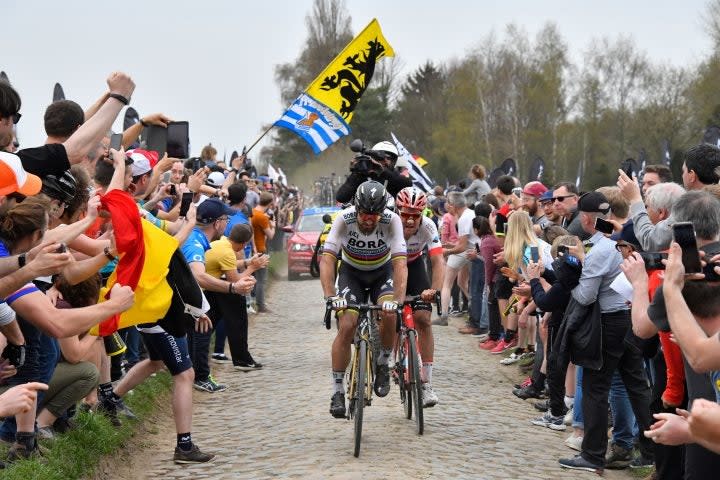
<point>146,251</point>
<point>321,114</point>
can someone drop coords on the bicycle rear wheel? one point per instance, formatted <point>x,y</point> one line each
<point>415,383</point>
<point>360,389</point>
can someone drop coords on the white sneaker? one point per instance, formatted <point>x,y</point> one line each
<point>513,358</point>
<point>429,397</point>
<point>251,310</point>
<point>481,337</point>
<point>569,417</point>
<point>574,442</point>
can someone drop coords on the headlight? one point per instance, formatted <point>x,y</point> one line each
<point>300,247</point>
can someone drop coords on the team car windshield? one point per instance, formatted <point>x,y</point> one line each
<point>310,223</point>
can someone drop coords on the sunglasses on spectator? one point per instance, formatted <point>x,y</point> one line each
<point>561,198</point>
<point>16,117</point>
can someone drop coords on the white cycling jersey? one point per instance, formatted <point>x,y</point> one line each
<point>428,235</point>
<point>361,251</point>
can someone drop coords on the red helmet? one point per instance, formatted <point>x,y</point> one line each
<point>411,197</point>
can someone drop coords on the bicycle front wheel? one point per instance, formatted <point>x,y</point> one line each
<point>360,389</point>
<point>415,383</point>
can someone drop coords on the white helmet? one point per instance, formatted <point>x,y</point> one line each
<point>387,147</point>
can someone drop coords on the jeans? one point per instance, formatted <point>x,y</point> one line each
<point>628,361</point>
<point>624,425</point>
<point>199,351</point>
<point>477,284</point>
<point>260,276</point>
<point>131,337</point>
<point>42,371</point>
<point>578,419</point>
<point>220,334</point>
<point>495,330</point>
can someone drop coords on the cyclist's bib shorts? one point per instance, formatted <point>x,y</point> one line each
<point>353,283</point>
<point>417,281</point>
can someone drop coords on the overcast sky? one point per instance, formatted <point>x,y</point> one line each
<point>212,62</point>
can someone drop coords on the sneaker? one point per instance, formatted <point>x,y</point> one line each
<point>109,408</point>
<point>264,310</point>
<point>429,397</point>
<point>251,310</point>
<point>382,380</point>
<point>194,455</point>
<point>209,385</point>
<point>45,433</point>
<point>549,421</point>
<point>64,425</point>
<point>247,367</point>
<point>524,383</point>
<point>574,442</point>
<point>18,451</point>
<point>526,359</point>
<point>337,405</point>
<point>641,462</point>
<point>441,321</point>
<point>220,358</point>
<point>123,409</point>
<point>543,406</point>
<point>617,457</point>
<point>454,313</point>
<point>513,358</point>
<point>569,417</point>
<point>482,337</point>
<point>579,463</point>
<point>488,344</point>
<point>504,345</point>
<point>528,392</point>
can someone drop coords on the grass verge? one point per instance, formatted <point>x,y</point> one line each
<point>77,453</point>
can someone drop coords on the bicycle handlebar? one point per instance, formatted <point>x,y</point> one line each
<point>362,307</point>
<point>414,299</point>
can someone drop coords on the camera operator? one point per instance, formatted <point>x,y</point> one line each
<point>375,164</point>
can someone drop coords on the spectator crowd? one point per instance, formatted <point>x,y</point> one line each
<point>602,301</point>
<point>67,261</point>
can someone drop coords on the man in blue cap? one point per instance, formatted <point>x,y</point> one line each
<point>211,218</point>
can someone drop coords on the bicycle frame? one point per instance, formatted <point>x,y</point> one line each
<point>362,334</point>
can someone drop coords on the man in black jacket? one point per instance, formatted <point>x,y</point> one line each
<point>382,169</point>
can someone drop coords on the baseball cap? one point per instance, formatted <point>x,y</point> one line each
<point>546,196</point>
<point>14,178</point>
<point>593,202</point>
<point>210,210</point>
<point>215,179</point>
<point>143,161</point>
<point>534,189</point>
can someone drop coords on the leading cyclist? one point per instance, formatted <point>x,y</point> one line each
<point>419,231</point>
<point>371,240</point>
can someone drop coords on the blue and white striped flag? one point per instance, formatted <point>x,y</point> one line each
<point>405,159</point>
<point>316,123</point>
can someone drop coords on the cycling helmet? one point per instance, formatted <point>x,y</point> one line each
<point>370,197</point>
<point>411,197</point>
<point>63,188</point>
<point>386,147</point>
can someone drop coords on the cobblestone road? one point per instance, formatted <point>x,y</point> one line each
<point>275,423</point>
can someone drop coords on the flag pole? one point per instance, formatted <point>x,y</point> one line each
<point>258,139</point>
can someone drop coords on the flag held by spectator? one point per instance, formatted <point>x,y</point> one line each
<point>321,114</point>
<point>406,160</point>
<point>145,255</point>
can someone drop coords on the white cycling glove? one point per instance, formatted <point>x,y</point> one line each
<point>389,305</point>
<point>338,303</point>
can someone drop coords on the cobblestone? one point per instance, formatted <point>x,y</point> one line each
<point>274,423</point>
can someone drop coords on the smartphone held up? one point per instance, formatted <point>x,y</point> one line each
<point>684,235</point>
